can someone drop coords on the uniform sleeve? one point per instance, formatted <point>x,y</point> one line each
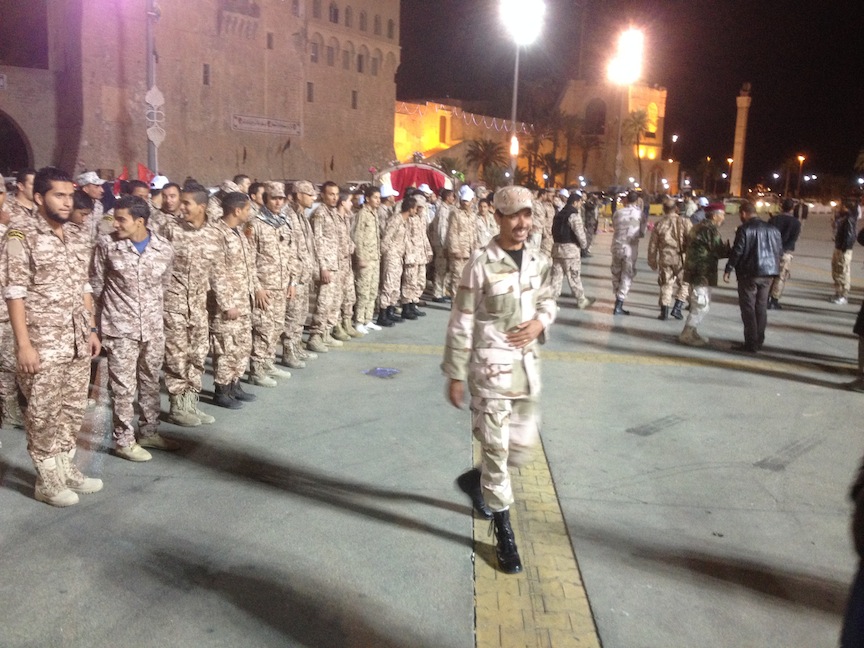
<point>219,282</point>
<point>546,307</point>
<point>15,265</point>
<point>460,329</point>
<point>97,271</point>
<point>653,248</point>
<point>578,227</point>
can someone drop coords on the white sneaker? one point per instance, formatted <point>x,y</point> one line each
<point>372,326</point>
<point>839,300</point>
<point>361,328</point>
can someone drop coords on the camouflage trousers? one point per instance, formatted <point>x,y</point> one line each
<point>8,362</point>
<point>267,326</point>
<point>327,305</point>
<point>413,282</point>
<point>186,346</point>
<point>700,302</point>
<point>296,312</point>
<point>346,288</point>
<point>230,348</point>
<point>623,271</point>
<point>439,280</point>
<point>391,280</point>
<point>454,274</point>
<point>672,285</point>
<point>56,402</point>
<point>507,431</point>
<point>572,269</point>
<point>841,272</point>
<point>134,366</point>
<point>781,279</point>
<point>366,282</point>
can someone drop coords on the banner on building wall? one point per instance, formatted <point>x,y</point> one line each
<point>252,124</point>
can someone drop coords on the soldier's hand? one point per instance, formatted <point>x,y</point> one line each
<point>456,393</point>
<point>292,292</point>
<point>325,276</point>
<point>28,360</point>
<point>232,314</point>
<point>725,277</point>
<point>95,344</point>
<point>524,334</point>
<point>262,299</point>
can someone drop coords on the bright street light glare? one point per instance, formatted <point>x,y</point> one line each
<point>626,67</point>
<point>523,19</point>
<point>674,138</point>
<point>514,146</point>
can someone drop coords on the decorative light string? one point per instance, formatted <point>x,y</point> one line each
<point>490,123</point>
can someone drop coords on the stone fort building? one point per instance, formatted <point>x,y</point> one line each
<point>270,88</point>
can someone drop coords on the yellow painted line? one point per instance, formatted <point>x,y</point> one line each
<point>604,358</point>
<point>545,605</point>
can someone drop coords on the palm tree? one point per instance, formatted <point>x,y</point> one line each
<point>553,167</point>
<point>571,126</point>
<point>484,154</point>
<point>634,127</point>
<point>586,144</point>
<point>453,167</point>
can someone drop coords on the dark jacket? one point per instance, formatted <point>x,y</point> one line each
<point>790,230</point>
<point>844,230</point>
<point>756,251</point>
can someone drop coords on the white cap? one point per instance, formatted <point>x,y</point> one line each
<point>466,193</point>
<point>88,178</point>
<point>425,189</point>
<point>158,182</point>
<point>389,192</point>
<point>564,193</point>
<point>702,202</point>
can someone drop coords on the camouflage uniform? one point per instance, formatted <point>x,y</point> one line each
<point>50,275</point>
<point>666,249</point>
<point>418,252</point>
<point>437,237</point>
<point>592,219</point>
<point>487,229</point>
<point>567,258</point>
<point>367,257</point>
<point>460,243</point>
<point>303,273</point>
<point>704,249</point>
<point>325,230</point>
<point>271,242</point>
<point>129,290</point>
<point>231,339</point>
<point>626,226</point>
<point>393,245</point>
<point>347,294</point>
<point>494,296</point>
<point>11,413</point>
<point>196,258</point>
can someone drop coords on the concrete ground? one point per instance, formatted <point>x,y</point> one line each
<point>704,493</point>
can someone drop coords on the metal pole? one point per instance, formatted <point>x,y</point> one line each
<point>618,157</point>
<point>152,158</point>
<point>513,158</point>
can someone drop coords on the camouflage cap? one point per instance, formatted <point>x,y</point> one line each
<point>509,200</point>
<point>274,189</point>
<point>304,187</point>
<point>229,187</point>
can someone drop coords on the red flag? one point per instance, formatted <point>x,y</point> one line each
<point>122,176</point>
<point>145,174</point>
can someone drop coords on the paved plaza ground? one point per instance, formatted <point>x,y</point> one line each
<point>682,497</point>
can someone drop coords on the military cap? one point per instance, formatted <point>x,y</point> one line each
<point>304,187</point>
<point>509,200</point>
<point>274,189</point>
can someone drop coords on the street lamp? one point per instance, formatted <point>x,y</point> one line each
<point>524,20</point>
<point>623,71</point>
<point>672,148</point>
<point>801,159</point>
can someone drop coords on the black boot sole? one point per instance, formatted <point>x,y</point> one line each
<point>467,483</point>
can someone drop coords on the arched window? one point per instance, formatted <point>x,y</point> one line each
<point>391,29</point>
<point>349,17</point>
<point>334,13</point>
<point>653,114</point>
<point>375,62</point>
<point>377,25</point>
<point>331,51</point>
<point>316,48</point>
<point>362,59</point>
<point>595,118</point>
<point>363,25</point>
<point>295,7</point>
<point>442,129</point>
<point>316,8</point>
<point>347,55</point>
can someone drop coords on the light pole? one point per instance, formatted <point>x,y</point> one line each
<point>672,148</point>
<point>623,71</point>
<point>524,20</point>
<point>154,99</point>
<point>729,161</point>
<point>801,159</point>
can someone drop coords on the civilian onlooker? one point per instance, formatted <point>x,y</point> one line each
<point>790,230</point>
<point>844,239</point>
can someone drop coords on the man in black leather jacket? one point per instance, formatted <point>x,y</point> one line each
<point>844,240</point>
<point>756,259</point>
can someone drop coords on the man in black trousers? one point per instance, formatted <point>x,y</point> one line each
<point>756,259</point>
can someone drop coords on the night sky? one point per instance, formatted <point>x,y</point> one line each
<point>805,60</point>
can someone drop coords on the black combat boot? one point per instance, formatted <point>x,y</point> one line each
<point>392,316</point>
<point>383,320</point>
<point>619,308</point>
<point>416,308</point>
<point>240,395</point>
<point>664,313</point>
<point>469,483</point>
<point>223,397</point>
<point>505,546</point>
<point>408,312</point>
<point>676,310</point>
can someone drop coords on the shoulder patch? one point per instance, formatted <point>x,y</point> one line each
<point>15,234</point>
